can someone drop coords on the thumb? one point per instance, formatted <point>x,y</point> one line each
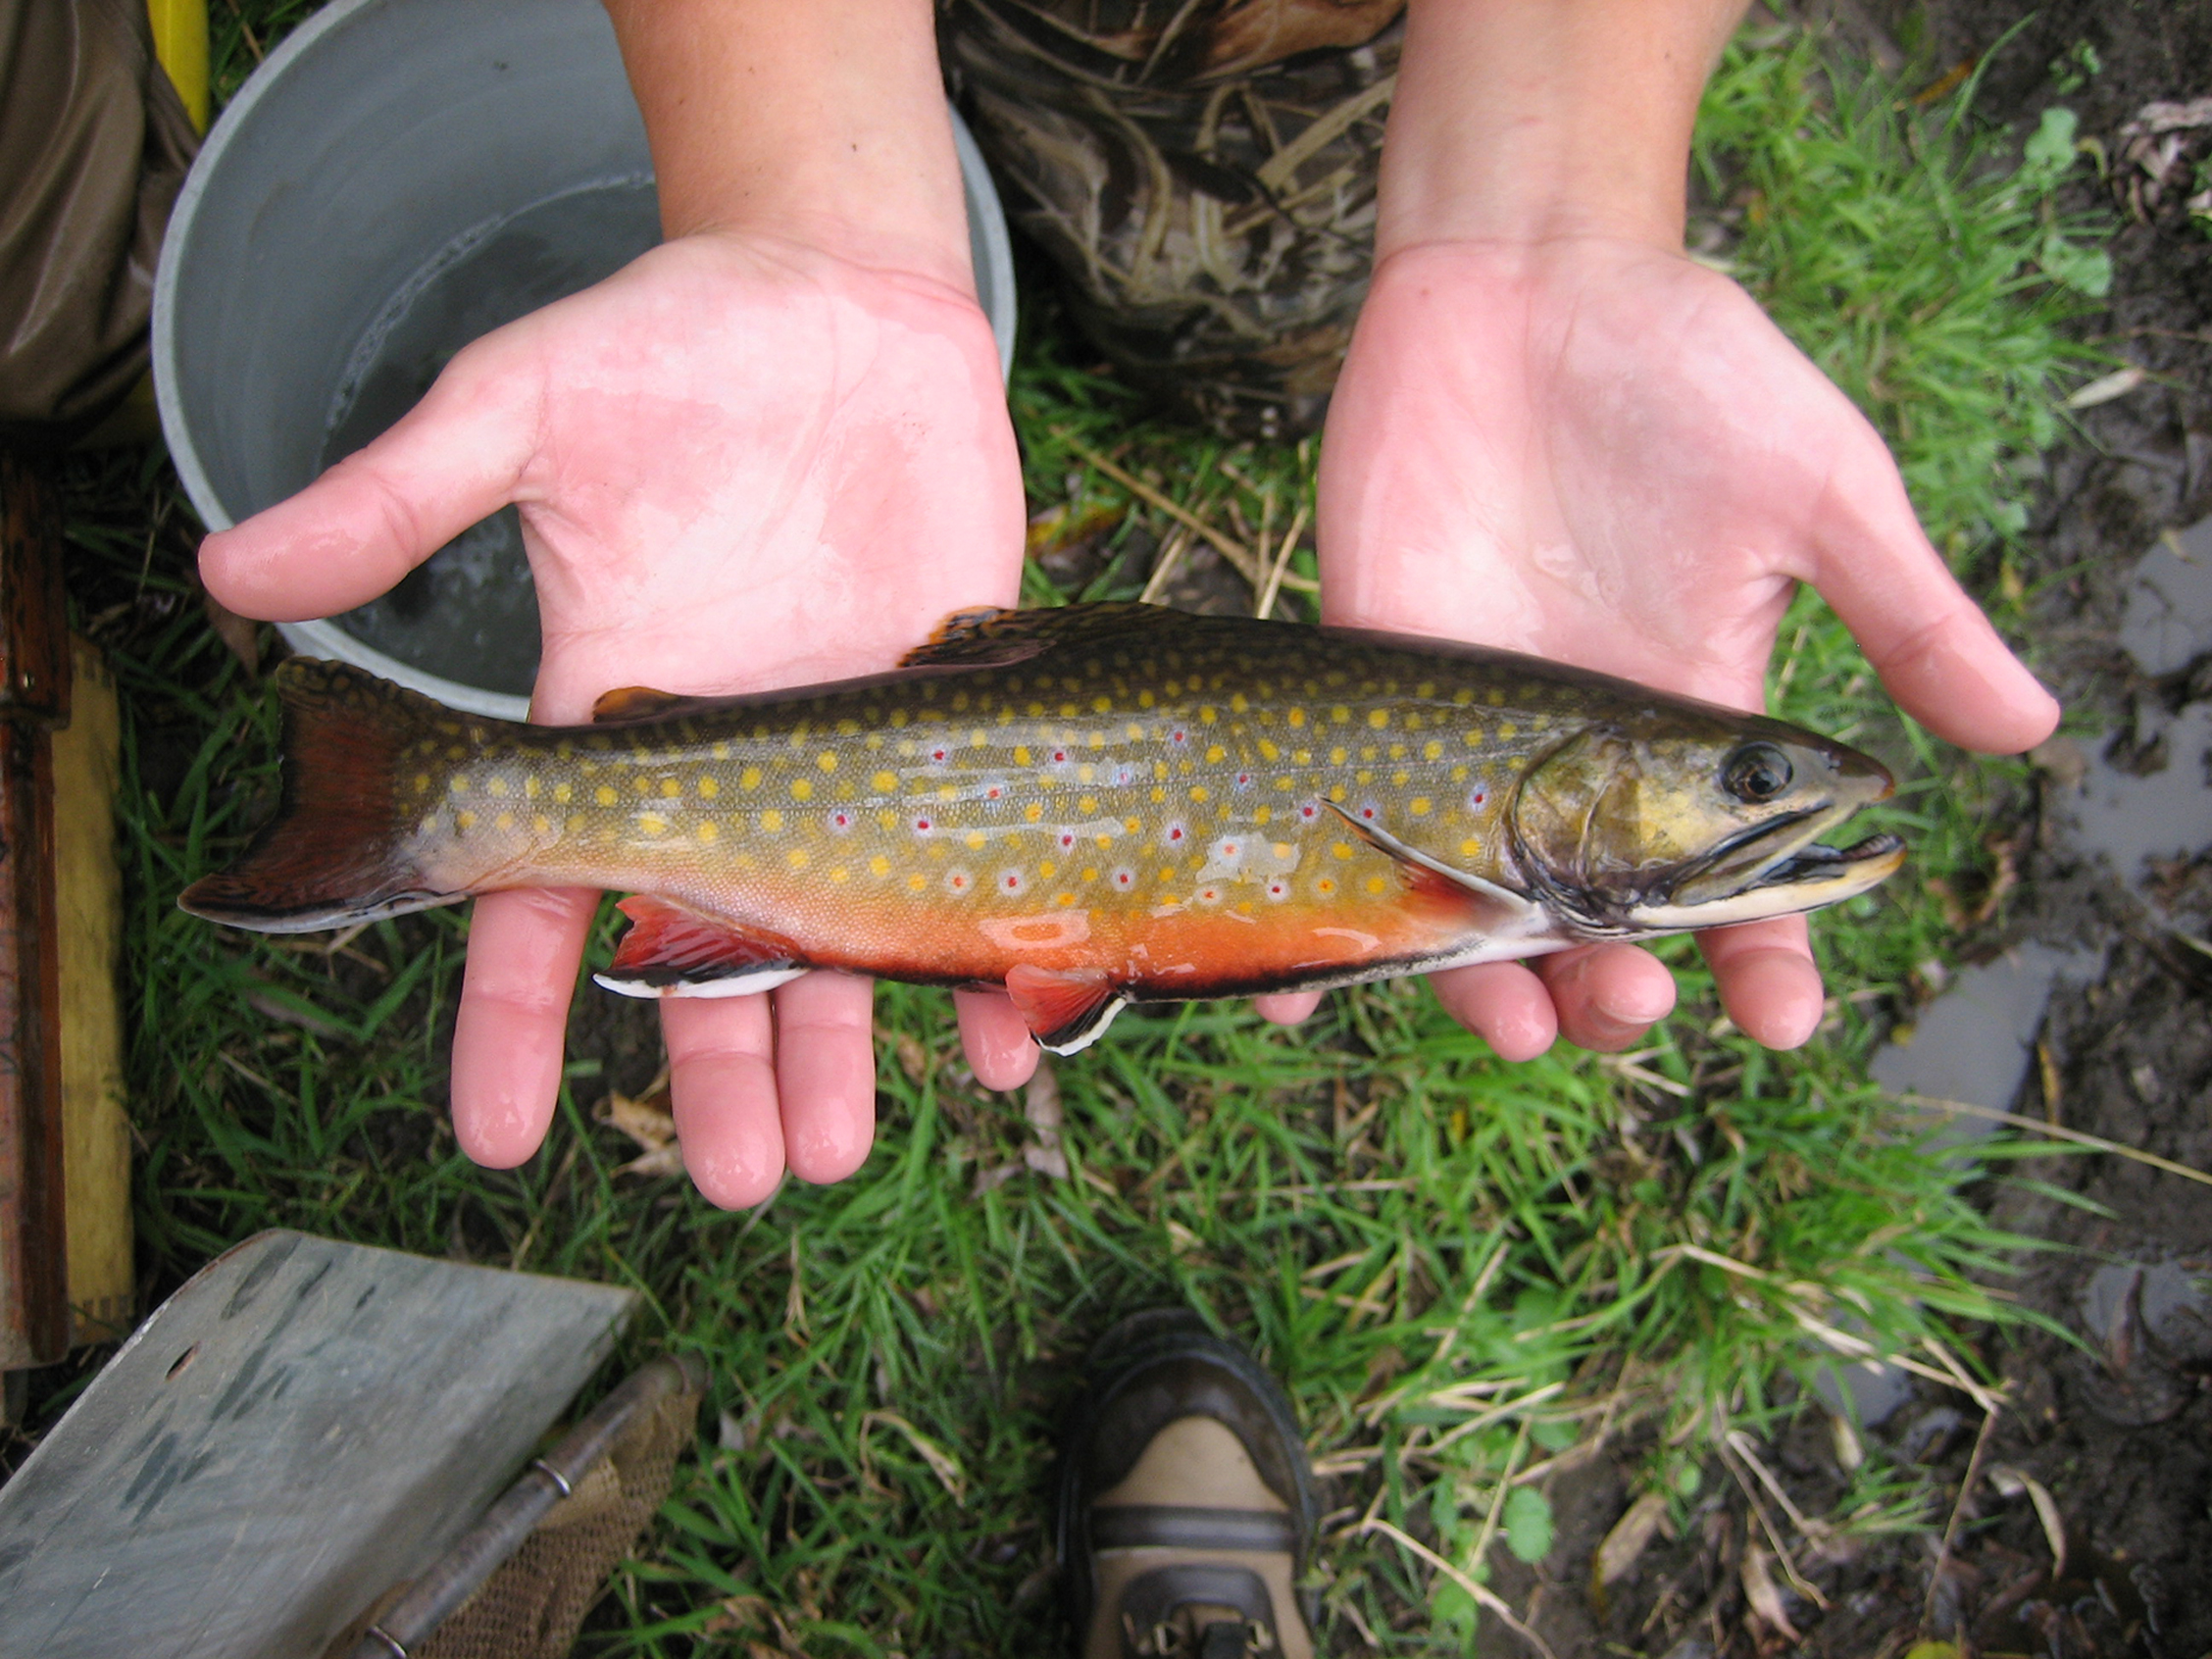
<point>1931,644</point>
<point>351,534</point>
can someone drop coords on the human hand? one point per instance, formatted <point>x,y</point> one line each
<point>742,462</point>
<point>1596,451</point>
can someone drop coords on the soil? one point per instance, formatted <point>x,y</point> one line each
<point>2113,1420</point>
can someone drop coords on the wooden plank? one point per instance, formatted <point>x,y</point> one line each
<point>88,894</point>
<point>303,1424</point>
<point>33,693</point>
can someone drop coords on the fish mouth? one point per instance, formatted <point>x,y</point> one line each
<point>1774,869</point>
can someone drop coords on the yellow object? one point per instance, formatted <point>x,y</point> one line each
<point>88,888</point>
<point>180,42</point>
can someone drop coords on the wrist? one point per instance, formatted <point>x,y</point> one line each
<point>823,123</point>
<point>1545,121</point>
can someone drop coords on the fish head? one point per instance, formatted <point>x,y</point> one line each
<point>1694,818</point>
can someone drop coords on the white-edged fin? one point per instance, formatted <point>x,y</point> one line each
<point>1089,1032</point>
<point>749,983</point>
<point>1522,909</point>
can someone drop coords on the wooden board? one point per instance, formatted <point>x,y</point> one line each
<point>300,1427</point>
<point>88,902</point>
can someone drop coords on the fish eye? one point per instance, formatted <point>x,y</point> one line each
<point>1757,772</point>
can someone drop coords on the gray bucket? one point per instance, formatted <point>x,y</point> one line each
<point>399,177</point>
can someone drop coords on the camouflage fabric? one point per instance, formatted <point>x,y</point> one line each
<point>1203,172</point>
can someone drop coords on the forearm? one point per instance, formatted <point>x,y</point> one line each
<point>1530,119</point>
<point>823,121</point>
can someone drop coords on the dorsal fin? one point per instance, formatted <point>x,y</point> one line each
<point>989,637</point>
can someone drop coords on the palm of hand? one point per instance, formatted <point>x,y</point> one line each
<point>739,465</point>
<point>1607,455</point>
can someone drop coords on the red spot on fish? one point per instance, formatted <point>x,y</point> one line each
<point>1368,813</point>
<point>1059,757</point>
<point>1123,879</point>
<point>1011,882</point>
<point>939,754</point>
<point>1275,890</point>
<point>922,825</point>
<point>1242,779</point>
<point>1178,736</point>
<point>1228,849</point>
<point>1067,838</point>
<point>1478,797</point>
<point>992,793</point>
<point>1175,831</point>
<point>1309,811</point>
<point>840,821</point>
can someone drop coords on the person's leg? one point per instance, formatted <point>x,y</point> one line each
<point>1202,173</point>
<point>1186,1506</point>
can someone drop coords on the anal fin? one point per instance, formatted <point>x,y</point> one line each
<point>1065,1011</point>
<point>673,950</point>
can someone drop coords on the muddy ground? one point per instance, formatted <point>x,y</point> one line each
<point>2116,1431</point>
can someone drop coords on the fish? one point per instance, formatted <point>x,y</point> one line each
<point>1090,806</point>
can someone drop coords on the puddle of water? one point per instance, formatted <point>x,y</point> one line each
<point>469,613</point>
<point>2167,622</point>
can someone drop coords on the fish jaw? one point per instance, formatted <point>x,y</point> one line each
<point>1801,874</point>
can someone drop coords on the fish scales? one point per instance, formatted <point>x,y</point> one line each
<point>1088,806</point>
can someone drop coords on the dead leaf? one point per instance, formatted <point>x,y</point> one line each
<point>943,1463</point>
<point>1041,1105</point>
<point>2011,1483</point>
<point>240,637</point>
<point>913,1058</point>
<point>2105,388</point>
<point>1631,1536</point>
<point>646,1119</point>
<point>1760,1590</point>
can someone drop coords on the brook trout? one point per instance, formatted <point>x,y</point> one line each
<point>1092,806</point>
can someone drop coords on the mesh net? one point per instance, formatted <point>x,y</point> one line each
<point>532,1606</point>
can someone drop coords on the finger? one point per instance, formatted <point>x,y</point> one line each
<point>721,1090</point>
<point>1503,1004</point>
<point>1608,996</point>
<point>1287,1008</point>
<point>1000,1050</point>
<point>1767,978</point>
<point>826,1073</point>
<point>524,950</point>
<point>1931,644</point>
<point>457,457</point>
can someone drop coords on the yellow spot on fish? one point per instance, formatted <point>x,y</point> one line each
<point>422,782</point>
<point>1238,703</point>
<point>604,794</point>
<point>1507,732</point>
<point>1459,775</point>
<point>1296,717</point>
<point>1268,751</point>
<point>504,822</point>
<point>917,882</point>
<point>1102,705</point>
<point>542,825</point>
<point>749,779</point>
<point>458,785</point>
<point>1167,873</point>
<point>878,866</point>
<point>497,786</point>
<point>1021,758</point>
<point>976,838</point>
<point>1262,814</point>
<point>796,858</point>
<point>1339,755</point>
<point>706,832</point>
<point>1088,805</point>
<point>1145,699</point>
<point>652,823</point>
<point>721,751</point>
<point>803,789</point>
<point>1090,873</point>
<point>1199,792</point>
<point>1342,849</point>
<point>1474,735</point>
<point>1207,713</point>
<point>464,820</point>
<point>529,786</point>
<point>839,873</point>
<point>1215,754</point>
<point>562,792</point>
<point>1470,847</point>
<point>1418,806</point>
<point>1431,750</point>
<point>771,821</point>
<point>1063,899</point>
<point>1379,718</point>
<point>1034,811</point>
<point>1046,870</point>
<point>883,782</point>
<point>1339,715</point>
<point>671,788</point>
<point>1375,883</point>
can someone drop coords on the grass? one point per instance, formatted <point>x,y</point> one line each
<point>1461,1269</point>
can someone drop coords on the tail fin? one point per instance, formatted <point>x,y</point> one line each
<point>338,850</point>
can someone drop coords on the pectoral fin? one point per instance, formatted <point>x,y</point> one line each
<point>1510,911</point>
<point>1064,1011</point>
<point>673,950</point>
